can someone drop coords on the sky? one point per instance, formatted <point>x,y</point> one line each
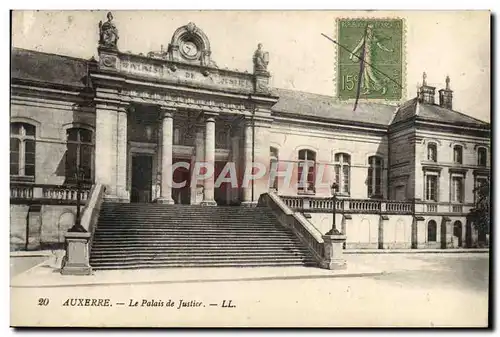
<point>441,43</point>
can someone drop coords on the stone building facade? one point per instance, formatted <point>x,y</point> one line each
<point>124,120</point>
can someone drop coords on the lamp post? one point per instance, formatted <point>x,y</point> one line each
<point>333,241</point>
<point>334,230</point>
<point>79,176</point>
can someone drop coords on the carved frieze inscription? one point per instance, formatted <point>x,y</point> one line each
<point>187,76</point>
<point>156,97</point>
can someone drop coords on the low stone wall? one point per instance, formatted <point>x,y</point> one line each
<point>46,224</point>
<point>398,231</point>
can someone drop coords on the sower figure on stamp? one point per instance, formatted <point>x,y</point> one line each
<point>370,80</point>
<point>108,33</point>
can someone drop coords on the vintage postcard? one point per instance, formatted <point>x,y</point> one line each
<point>250,168</point>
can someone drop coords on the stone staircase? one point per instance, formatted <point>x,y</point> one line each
<point>130,236</point>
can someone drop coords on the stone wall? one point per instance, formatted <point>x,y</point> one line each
<point>402,164</point>
<point>289,139</point>
<point>395,232</point>
<point>47,226</point>
<point>52,118</point>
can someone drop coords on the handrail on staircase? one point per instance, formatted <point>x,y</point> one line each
<point>301,227</point>
<point>90,214</point>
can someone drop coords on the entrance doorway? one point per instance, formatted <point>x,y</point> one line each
<point>457,232</point>
<point>182,175</point>
<point>142,178</point>
<point>468,234</point>
<point>221,193</point>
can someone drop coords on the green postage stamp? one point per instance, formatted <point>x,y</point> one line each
<point>380,43</point>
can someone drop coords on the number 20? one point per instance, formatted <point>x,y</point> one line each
<point>43,301</point>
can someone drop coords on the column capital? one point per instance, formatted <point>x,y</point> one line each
<point>167,112</point>
<point>126,108</point>
<point>209,116</point>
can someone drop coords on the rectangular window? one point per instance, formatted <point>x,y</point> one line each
<point>457,154</point>
<point>306,176</point>
<point>311,176</point>
<point>370,179</point>
<point>378,180</point>
<point>479,182</point>
<point>29,157</point>
<point>71,160</point>
<point>481,156</point>
<point>345,182</point>
<point>431,188</point>
<point>86,160</point>
<point>456,189</point>
<point>14,156</point>
<point>337,174</point>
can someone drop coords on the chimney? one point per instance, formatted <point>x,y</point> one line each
<point>426,93</point>
<point>446,95</point>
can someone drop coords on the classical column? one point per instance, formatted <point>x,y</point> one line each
<point>209,182</point>
<point>261,157</point>
<point>166,155</point>
<point>235,156</point>
<point>199,157</point>
<point>247,162</point>
<point>121,148</point>
<point>105,149</point>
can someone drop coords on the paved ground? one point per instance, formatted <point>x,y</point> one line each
<point>418,290</point>
<point>20,264</point>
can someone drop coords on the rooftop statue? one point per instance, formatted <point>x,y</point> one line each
<point>108,33</point>
<point>260,60</point>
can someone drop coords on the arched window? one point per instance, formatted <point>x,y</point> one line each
<point>273,166</point>
<point>432,231</point>
<point>457,154</point>
<point>22,150</point>
<point>432,152</point>
<point>343,172</point>
<point>79,153</point>
<point>307,169</point>
<point>375,176</point>
<point>481,156</point>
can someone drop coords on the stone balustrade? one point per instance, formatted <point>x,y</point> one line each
<point>47,194</point>
<point>370,206</point>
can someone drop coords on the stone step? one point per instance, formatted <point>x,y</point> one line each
<point>190,231</point>
<point>198,265</point>
<point>165,243</point>
<point>152,236</point>
<point>188,223</point>
<point>251,245</point>
<point>176,236</point>
<point>205,217</point>
<point>126,246</point>
<point>171,256</point>
<point>271,227</point>
<point>197,252</point>
<point>201,259</point>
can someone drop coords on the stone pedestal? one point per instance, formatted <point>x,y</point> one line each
<point>334,253</point>
<point>76,260</point>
